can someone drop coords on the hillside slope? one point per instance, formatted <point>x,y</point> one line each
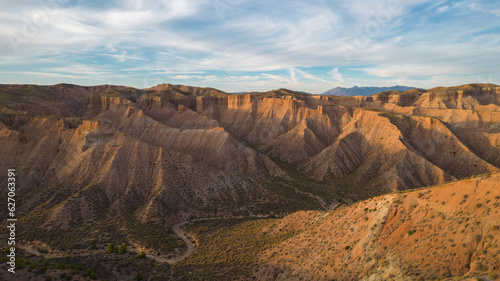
<point>428,234</point>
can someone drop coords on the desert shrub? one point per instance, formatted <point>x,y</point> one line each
<point>42,269</point>
<point>123,248</point>
<point>20,264</point>
<point>91,274</point>
<point>60,265</point>
<point>478,238</point>
<point>93,243</point>
<point>141,255</point>
<point>111,248</point>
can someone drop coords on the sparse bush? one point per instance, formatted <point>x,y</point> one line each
<point>141,255</point>
<point>411,232</point>
<point>42,269</point>
<point>91,274</point>
<point>111,248</point>
<point>478,238</point>
<point>123,249</point>
<point>138,276</point>
<point>20,264</point>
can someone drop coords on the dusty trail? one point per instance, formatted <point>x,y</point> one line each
<point>190,247</point>
<point>176,228</point>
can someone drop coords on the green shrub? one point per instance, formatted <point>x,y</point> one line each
<point>42,269</point>
<point>89,273</point>
<point>20,264</point>
<point>60,265</point>
<point>138,276</point>
<point>141,255</point>
<point>111,248</point>
<point>123,249</point>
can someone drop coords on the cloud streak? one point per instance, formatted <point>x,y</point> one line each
<point>261,45</point>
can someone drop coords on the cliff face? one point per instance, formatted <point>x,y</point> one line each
<point>468,98</point>
<point>240,101</point>
<point>230,102</point>
<point>96,104</point>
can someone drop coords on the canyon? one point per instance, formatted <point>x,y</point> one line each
<point>124,165</point>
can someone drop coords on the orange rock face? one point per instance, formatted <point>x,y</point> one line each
<point>450,230</point>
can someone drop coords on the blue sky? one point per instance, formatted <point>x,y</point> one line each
<point>240,45</point>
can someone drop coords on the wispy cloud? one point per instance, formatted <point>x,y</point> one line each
<point>262,45</point>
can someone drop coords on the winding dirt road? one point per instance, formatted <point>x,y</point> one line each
<point>189,250</point>
<point>176,228</point>
<point>190,247</point>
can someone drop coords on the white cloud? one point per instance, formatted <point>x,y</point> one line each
<point>123,57</point>
<point>336,76</point>
<point>178,39</point>
<point>408,70</point>
<point>443,9</point>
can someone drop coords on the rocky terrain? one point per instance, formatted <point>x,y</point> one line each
<point>124,165</point>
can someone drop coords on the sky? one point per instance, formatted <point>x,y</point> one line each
<point>250,45</point>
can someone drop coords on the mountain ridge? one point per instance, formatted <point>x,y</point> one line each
<point>364,91</point>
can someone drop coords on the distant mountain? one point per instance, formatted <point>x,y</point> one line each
<point>364,91</point>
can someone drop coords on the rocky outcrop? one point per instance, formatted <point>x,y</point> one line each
<point>96,104</point>
<point>230,102</point>
<point>466,98</point>
<point>203,103</point>
<point>161,102</point>
<point>239,101</point>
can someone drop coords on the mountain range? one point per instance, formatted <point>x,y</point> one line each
<point>277,185</point>
<point>364,91</point>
